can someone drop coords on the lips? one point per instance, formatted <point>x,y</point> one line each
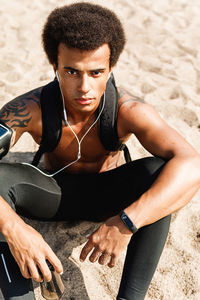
<point>84,101</point>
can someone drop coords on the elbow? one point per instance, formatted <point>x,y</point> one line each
<point>194,168</point>
<point>189,165</point>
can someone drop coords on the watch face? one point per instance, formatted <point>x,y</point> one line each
<point>123,217</point>
<point>127,220</point>
<point>2,130</point>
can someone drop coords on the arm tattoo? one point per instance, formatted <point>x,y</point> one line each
<point>17,108</point>
<point>123,92</point>
<point>20,123</point>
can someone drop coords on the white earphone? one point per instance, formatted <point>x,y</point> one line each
<point>57,76</point>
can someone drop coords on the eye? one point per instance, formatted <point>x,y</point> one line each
<point>96,73</point>
<point>72,72</point>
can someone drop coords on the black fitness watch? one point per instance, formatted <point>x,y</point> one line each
<point>127,221</point>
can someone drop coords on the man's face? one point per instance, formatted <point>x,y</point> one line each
<point>83,76</point>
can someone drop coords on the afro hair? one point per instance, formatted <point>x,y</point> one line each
<point>84,26</point>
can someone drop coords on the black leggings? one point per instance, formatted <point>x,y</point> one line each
<point>93,197</point>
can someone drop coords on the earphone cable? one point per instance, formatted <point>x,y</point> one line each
<point>78,141</point>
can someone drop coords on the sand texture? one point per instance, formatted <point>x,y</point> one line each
<point>161,63</point>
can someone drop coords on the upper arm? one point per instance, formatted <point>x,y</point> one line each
<point>155,135</point>
<point>125,97</point>
<point>19,113</point>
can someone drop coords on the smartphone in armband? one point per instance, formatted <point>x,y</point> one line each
<point>5,139</point>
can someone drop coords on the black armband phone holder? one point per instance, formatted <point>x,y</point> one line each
<point>5,138</point>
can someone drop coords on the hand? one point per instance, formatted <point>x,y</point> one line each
<point>31,252</point>
<point>107,242</point>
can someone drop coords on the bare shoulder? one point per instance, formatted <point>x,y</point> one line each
<point>126,97</point>
<point>21,113</point>
<point>153,132</point>
<point>133,113</point>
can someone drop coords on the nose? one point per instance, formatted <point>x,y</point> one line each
<point>84,85</point>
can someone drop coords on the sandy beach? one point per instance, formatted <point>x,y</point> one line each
<point>161,64</point>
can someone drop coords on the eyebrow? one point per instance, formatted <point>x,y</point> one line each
<point>93,70</point>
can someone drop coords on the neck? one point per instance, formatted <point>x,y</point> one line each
<point>80,117</point>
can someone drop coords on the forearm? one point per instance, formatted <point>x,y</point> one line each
<point>8,218</point>
<point>27,245</point>
<point>174,187</point>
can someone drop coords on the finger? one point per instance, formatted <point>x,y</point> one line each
<point>86,250</point>
<point>34,272</point>
<point>103,258</point>
<point>25,272</point>
<point>44,271</point>
<point>95,255</point>
<point>54,261</point>
<point>112,261</point>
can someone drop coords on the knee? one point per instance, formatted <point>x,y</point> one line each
<point>8,177</point>
<point>7,170</point>
<point>154,164</point>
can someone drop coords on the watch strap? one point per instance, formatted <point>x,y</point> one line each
<point>127,221</point>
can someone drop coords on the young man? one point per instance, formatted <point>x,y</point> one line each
<point>134,200</point>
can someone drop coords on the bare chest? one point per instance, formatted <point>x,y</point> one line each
<point>80,141</point>
<point>86,144</point>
